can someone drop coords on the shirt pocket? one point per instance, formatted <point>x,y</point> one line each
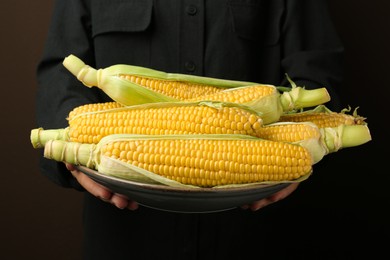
<point>121,16</point>
<point>257,20</point>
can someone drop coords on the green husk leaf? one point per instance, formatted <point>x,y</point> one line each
<point>269,107</point>
<point>118,69</point>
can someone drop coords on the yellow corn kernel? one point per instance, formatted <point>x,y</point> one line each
<point>289,132</point>
<point>92,108</point>
<point>239,95</point>
<point>162,120</point>
<point>180,90</point>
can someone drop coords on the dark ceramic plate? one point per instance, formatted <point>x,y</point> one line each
<point>202,200</point>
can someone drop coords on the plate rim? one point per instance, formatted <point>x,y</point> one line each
<point>157,187</point>
<point>166,198</point>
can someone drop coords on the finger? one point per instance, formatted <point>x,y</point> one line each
<point>133,205</point>
<point>70,167</point>
<point>282,194</point>
<point>260,204</point>
<point>100,191</point>
<point>90,185</point>
<point>122,201</point>
<point>119,201</point>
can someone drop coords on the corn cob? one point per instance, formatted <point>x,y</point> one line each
<point>122,82</point>
<point>338,129</point>
<point>289,131</point>
<point>197,160</point>
<point>268,100</point>
<point>130,85</point>
<point>320,141</point>
<point>324,117</point>
<point>154,119</point>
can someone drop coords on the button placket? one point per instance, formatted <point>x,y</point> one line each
<point>191,38</point>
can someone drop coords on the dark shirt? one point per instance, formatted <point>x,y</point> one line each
<point>248,40</point>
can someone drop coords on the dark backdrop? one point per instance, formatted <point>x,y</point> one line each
<point>39,220</point>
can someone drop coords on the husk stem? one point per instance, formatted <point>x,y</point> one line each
<point>39,136</point>
<point>300,97</point>
<point>295,98</point>
<point>345,136</point>
<point>71,152</point>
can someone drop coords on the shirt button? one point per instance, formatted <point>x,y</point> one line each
<point>191,10</point>
<point>190,66</point>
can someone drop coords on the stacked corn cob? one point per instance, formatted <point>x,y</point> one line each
<point>180,130</point>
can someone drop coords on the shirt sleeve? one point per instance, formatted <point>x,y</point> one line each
<point>314,52</point>
<point>58,90</point>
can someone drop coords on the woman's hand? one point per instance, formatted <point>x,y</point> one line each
<point>101,192</point>
<point>272,199</point>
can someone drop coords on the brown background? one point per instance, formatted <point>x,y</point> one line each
<point>39,220</point>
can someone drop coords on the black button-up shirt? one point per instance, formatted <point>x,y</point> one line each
<point>248,40</point>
